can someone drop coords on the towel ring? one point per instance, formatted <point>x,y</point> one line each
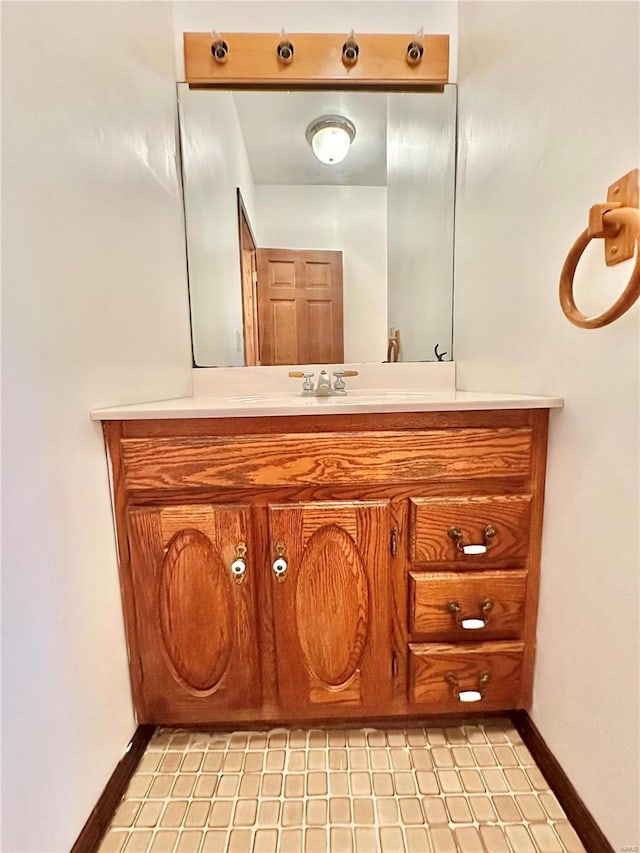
<point>617,219</point>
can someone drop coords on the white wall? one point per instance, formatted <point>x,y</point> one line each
<point>215,163</point>
<point>95,312</point>
<point>421,154</point>
<point>324,16</point>
<point>348,219</point>
<point>549,98</point>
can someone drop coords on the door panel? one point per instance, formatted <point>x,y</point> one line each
<point>300,313</point>
<point>332,605</point>
<point>196,621</point>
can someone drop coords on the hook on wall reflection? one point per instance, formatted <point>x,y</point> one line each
<point>219,48</point>
<point>285,49</point>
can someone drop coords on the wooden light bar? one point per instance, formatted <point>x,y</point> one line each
<point>252,60</point>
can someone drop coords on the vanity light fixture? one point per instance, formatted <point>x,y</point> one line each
<point>330,138</point>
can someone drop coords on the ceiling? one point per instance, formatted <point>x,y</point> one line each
<point>274,124</point>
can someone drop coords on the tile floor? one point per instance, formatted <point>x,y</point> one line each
<point>472,788</point>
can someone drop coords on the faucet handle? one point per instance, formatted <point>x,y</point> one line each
<point>306,376</point>
<point>339,386</point>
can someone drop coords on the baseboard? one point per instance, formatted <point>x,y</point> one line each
<point>579,815</point>
<point>100,818</point>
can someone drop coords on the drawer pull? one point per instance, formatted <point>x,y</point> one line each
<point>457,535</point>
<point>239,565</point>
<point>467,695</point>
<point>471,623</point>
<point>280,565</point>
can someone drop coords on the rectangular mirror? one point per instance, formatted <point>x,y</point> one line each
<point>293,260</point>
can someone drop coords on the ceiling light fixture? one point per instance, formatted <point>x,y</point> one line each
<point>330,138</point>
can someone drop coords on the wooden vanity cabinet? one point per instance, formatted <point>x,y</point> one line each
<point>318,567</point>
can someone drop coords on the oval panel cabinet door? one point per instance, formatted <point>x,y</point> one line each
<point>195,623</point>
<point>332,592</point>
<point>332,610</point>
<point>196,611</point>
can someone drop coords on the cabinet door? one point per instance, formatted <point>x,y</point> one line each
<point>332,613</point>
<point>196,620</point>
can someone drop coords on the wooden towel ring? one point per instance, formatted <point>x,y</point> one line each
<point>617,223</point>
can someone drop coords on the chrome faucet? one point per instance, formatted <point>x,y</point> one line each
<point>323,388</point>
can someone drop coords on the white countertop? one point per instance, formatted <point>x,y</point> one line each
<point>357,401</point>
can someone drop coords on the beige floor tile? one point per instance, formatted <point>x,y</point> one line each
<point>458,808</point>
<point>505,756</point>
<point>338,784</point>
<point>474,734</point>
<point>337,738</point>
<point>269,813</point>
<point>139,842</point>
<point>435,811</point>
<point>149,814</point>
<point>472,781</point>
<point>297,739</point>
<point>382,784</point>
<point>530,807</point>
<point>189,841</point>
<point>427,782</point>
<point>396,737</point>
<point>170,763</point>
<point>462,756</point>
<point>271,785</point>
<point>139,785</point>
<point>551,806</point>
<point>294,785</point>
<point>379,759</point>
<point>240,841</point>
<point>442,757</point>
<point>215,841</point>
<point>164,841</point>
<point>206,785</point>
<point>292,813</point>
<point>363,813</point>
<point>114,841</point>
<point>150,762</point>
<point>411,811</point>
<point>233,761</point>
<point>317,812</point>
<point>469,840</point>
<point>174,813</point>
<point>341,840</point>
<point>360,784</point>
<point>449,782</point>
<point>524,756</point>
<point>356,738</point>
<point>443,840</point>
<point>495,734</point>
<point>358,759</point>
<point>265,841</point>
<point>376,739</point>
<point>517,779</point>
<point>416,737</point>
<point>316,760</point>
<point>545,839</point>
<point>387,811</point>
<point>245,812</point>
<point>126,813</point>
<point>317,739</point>
<point>391,840</point>
<point>482,809</point>
<point>400,759</point>
<point>569,838</point>
<point>484,756</point>
<point>213,762</point>
<point>417,840</point>
<point>494,781</point>
<point>220,814</point>
<point>257,741</point>
<point>254,762</point>
<point>275,759</point>
<point>537,780</point>
<point>161,786</point>
<point>366,839</point>
<point>507,809</point>
<point>296,763</point>
<point>184,785</point>
<point>339,810</point>
<point>421,759</point>
<point>317,784</point>
<point>519,839</point>
<point>404,784</point>
<point>494,839</point>
<point>290,841</point>
<point>277,740</point>
<point>455,735</point>
<point>436,737</point>
<point>316,840</point>
<point>192,762</point>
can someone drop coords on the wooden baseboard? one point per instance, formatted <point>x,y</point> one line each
<point>579,815</point>
<point>100,818</point>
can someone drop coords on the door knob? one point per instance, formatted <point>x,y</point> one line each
<point>280,565</point>
<point>239,565</point>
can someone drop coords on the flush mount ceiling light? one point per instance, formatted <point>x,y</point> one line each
<point>330,138</point>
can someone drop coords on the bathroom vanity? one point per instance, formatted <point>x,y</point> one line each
<point>329,565</point>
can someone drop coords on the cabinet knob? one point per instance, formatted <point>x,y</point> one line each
<point>457,535</point>
<point>471,623</point>
<point>239,565</point>
<point>468,695</point>
<point>280,565</point>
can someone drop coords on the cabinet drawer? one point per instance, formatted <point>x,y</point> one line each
<point>482,676</point>
<point>469,607</point>
<point>331,458</point>
<point>470,531</point>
